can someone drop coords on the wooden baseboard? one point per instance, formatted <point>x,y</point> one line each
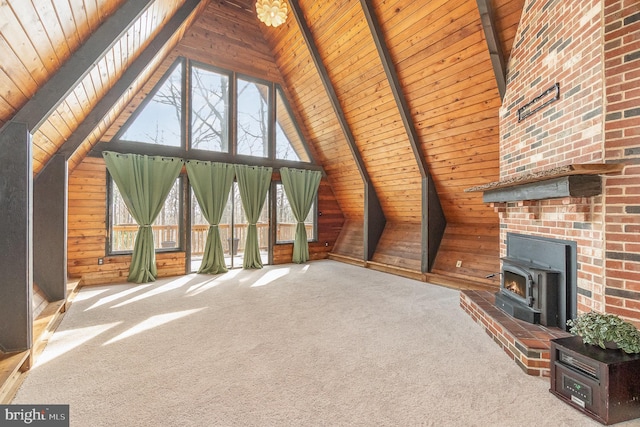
<point>346,259</point>
<point>454,281</point>
<point>44,326</point>
<point>13,366</point>
<point>73,287</point>
<point>398,271</point>
<point>11,369</point>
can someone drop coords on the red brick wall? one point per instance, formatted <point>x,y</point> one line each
<point>592,49</point>
<point>558,41</point>
<point>622,143</point>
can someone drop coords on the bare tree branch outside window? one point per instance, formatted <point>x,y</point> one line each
<point>160,120</point>
<point>209,110</point>
<point>252,126</point>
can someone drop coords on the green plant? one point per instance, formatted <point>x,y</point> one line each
<point>601,329</point>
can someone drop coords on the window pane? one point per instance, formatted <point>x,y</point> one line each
<point>289,145</point>
<point>253,115</point>
<point>286,222</point>
<point>159,121</point>
<point>241,225</point>
<point>123,228</point>
<point>209,110</point>
<point>199,230</point>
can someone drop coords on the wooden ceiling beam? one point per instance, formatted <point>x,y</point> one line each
<point>493,41</point>
<point>36,111</point>
<point>375,220</point>
<point>433,219</point>
<point>326,81</point>
<point>394,83</point>
<point>128,78</point>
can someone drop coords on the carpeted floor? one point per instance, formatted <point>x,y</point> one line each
<point>322,344</point>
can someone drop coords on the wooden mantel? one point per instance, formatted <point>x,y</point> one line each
<point>577,180</point>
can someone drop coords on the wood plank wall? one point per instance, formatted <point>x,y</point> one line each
<point>350,242</point>
<point>225,37</point>
<point>400,246</point>
<point>443,62</point>
<point>346,47</point>
<point>309,99</point>
<point>330,221</point>
<point>442,59</point>
<point>87,231</point>
<point>450,85</point>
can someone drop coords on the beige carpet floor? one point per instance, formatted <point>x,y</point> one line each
<point>322,344</point>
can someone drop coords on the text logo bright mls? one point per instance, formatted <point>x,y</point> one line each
<point>34,415</point>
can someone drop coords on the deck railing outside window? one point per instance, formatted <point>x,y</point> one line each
<point>166,236</point>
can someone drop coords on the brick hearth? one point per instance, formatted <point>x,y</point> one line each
<point>525,343</point>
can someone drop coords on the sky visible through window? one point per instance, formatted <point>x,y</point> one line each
<point>253,116</point>
<point>209,110</point>
<point>159,121</point>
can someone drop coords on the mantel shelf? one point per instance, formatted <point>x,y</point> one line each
<point>577,180</point>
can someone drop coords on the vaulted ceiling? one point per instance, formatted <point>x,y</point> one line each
<point>74,70</point>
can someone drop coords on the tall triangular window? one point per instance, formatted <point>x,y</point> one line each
<point>252,131</point>
<point>289,144</point>
<point>216,111</point>
<point>159,120</point>
<point>209,110</point>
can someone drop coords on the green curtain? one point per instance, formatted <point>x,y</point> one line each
<point>253,182</point>
<point>211,184</point>
<point>301,187</point>
<point>144,182</point>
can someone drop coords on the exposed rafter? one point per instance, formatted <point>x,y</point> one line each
<point>52,93</point>
<point>394,83</point>
<point>132,72</point>
<point>374,217</point>
<point>326,81</point>
<point>433,220</point>
<point>16,191</point>
<point>491,35</point>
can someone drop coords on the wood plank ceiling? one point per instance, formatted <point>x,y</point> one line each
<point>439,52</point>
<point>39,37</point>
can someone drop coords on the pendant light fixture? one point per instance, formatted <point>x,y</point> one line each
<point>272,12</point>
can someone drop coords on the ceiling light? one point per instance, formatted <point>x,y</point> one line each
<point>272,12</point>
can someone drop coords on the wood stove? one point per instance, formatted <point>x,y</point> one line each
<point>528,292</point>
<point>538,280</point>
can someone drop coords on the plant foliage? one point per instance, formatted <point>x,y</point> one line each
<point>600,329</point>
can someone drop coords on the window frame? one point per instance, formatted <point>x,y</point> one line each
<point>231,106</point>
<point>180,62</point>
<point>270,116</point>
<point>279,90</point>
<point>181,223</point>
<point>314,212</point>
<point>186,152</point>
